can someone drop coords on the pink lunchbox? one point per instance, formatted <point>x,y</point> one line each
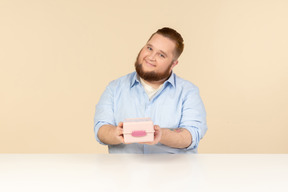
<point>138,130</point>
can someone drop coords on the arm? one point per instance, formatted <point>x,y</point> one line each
<point>192,126</point>
<point>176,138</point>
<point>111,135</point>
<point>105,128</point>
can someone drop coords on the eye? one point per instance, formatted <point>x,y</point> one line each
<point>162,55</point>
<point>149,48</point>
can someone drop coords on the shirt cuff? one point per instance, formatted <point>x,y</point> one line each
<point>195,137</point>
<point>96,129</point>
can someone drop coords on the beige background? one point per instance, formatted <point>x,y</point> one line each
<point>56,58</point>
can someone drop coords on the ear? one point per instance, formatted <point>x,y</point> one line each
<point>174,63</point>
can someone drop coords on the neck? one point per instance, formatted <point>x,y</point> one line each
<point>154,84</point>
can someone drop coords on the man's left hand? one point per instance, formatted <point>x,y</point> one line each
<point>157,136</point>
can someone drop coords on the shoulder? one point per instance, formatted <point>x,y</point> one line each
<point>187,90</point>
<point>123,81</point>
<point>184,85</point>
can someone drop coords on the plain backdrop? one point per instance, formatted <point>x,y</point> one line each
<point>57,57</point>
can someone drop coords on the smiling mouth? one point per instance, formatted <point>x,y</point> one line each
<point>149,64</point>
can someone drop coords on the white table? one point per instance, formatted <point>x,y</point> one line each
<point>125,172</point>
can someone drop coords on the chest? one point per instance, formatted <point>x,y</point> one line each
<point>165,108</point>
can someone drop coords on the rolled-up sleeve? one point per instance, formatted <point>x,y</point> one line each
<point>194,117</point>
<point>104,111</point>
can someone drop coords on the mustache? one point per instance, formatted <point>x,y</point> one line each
<point>151,75</point>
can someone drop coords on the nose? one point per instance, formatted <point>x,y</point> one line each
<point>152,56</point>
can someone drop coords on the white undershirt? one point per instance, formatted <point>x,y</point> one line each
<point>150,90</point>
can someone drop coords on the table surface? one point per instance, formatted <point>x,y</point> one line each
<point>131,172</point>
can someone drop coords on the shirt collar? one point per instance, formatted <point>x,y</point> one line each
<point>135,79</point>
<point>171,79</point>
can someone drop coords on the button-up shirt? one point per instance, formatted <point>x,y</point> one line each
<point>176,105</point>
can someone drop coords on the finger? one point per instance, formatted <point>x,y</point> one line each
<point>122,139</point>
<point>120,124</point>
<point>156,127</point>
<point>120,131</point>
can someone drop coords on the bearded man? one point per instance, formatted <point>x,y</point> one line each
<point>173,104</point>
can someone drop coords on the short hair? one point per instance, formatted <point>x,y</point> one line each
<point>173,35</point>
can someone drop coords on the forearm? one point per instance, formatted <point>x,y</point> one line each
<point>107,134</point>
<point>176,138</point>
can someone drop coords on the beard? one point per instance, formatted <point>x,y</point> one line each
<point>152,75</point>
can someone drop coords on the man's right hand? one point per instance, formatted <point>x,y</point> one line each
<point>111,135</point>
<point>119,132</point>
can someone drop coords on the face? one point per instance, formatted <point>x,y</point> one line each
<point>156,59</point>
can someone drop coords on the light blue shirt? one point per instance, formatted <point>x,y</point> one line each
<point>176,105</point>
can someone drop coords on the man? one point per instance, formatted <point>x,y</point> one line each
<point>154,91</point>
